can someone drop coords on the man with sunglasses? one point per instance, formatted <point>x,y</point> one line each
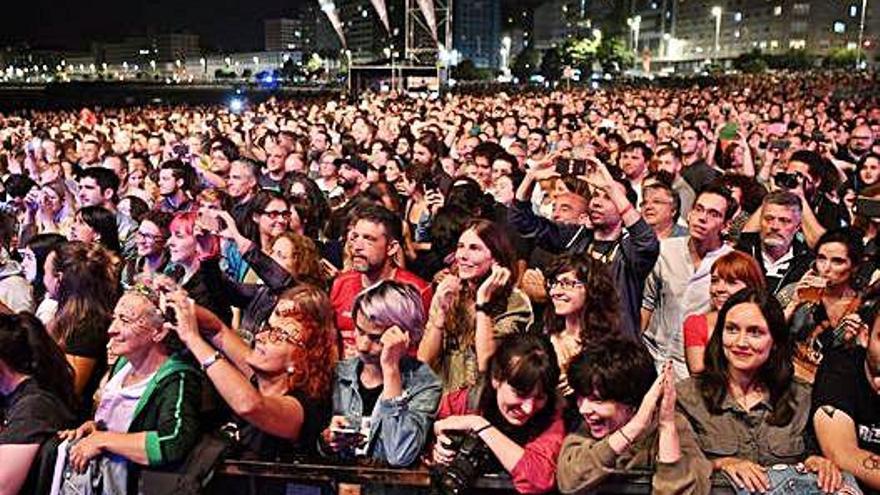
<point>384,400</point>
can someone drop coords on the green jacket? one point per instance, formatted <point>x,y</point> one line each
<point>169,411</point>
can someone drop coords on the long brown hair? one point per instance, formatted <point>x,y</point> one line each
<point>498,243</point>
<point>88,288</point>
<point>600,314</point>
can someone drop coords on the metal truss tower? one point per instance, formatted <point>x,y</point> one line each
<point>421,48</point>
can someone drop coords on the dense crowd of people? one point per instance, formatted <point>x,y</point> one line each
<point>553,285</point>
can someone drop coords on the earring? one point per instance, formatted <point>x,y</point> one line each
<point>290,370</point>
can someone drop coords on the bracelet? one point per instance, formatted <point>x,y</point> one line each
<point>213,358</point>
<point>628,439</point>
<point>482,429</point>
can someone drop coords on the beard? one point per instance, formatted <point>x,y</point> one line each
<point>347,183</point>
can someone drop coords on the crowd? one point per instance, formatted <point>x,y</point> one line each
<point>549,284</point>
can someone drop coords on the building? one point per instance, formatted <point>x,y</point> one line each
<point>476,29</point>
<point>158,48</point>
<point>556,21</point>
<point>365,34</point>
<point>686,30</point>
<point>285,34</point>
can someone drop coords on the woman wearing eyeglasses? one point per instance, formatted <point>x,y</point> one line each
<point>270,217</point>
<point>279,390</point>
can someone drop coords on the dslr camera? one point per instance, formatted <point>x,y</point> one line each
<point>473,458</point>
<point>786,180</point>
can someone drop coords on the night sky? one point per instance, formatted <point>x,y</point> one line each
<point>223,25</point>
<point>227,25</point>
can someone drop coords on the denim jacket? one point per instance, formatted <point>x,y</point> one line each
<point>398,427</point>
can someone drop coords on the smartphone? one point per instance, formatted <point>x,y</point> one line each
<point>429,184</point>
<point>563,166</point>
<point>780,144</point>
<point>578,167</point>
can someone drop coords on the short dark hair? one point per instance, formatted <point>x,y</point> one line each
<point>849,237</point>
<point>638,145</point>
<point>104,177</point>
<point>160,219</point>
<point>102,221</point>
<point>227,147</point>
<point>614,369</point>
<point>180,171</point>
<point>724,192</point>
<point>383,216</point>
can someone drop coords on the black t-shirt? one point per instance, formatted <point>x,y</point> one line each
<point>369,397</point>
<point>31,415</point>
<point>258,445</point>
<point>89,340</point>
<point>841,382</point>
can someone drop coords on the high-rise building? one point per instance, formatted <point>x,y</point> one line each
<point>285,34</point>
<point>365,34</point>
<point>476,30</point>
<point>167,47</point>
<point>701,29</point>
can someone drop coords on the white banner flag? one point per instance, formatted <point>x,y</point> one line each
<point>427,8</point>
<point>382,10</point>
<point>330,9</point>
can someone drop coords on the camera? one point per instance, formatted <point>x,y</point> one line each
<point>786,180</point>
<point>473,458</point>
<point>780,144</point>
<point>575,167</point>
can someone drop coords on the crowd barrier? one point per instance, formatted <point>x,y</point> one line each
<point>251,477</point>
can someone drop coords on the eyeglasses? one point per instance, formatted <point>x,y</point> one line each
<point>567,284</point>
<point>273,334</point>
<point>149,237</point>
<point>276,214</point>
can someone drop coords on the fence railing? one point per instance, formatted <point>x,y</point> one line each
<point>294,478</point>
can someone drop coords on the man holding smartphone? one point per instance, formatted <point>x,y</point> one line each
<point>384,400</point>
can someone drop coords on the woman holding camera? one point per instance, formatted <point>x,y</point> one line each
<point>747,409</point>
<point>474,304</point>
<point>823,310</point>
<point>514,413</point>
<point>619,397</point>
<point>279,390</point>
<point>193,254</point>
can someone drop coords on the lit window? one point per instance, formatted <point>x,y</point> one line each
<point>736,33</point>
<point>774,44</point>
<point>853,11</point>
<point>762,45</point>
<point>839,27</point>
<point>851,45</point>
<point>797,44</point>
<point>738,16</point>
<point>777,11</point>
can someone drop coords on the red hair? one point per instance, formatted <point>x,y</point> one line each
<point>737,265</point>
<point>186,221</point>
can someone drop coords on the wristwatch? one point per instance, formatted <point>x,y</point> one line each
<point>481,308</point>
<point>213,358</point>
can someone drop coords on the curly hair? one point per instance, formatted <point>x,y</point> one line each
<point>305,258</point>
<point>316,355</point>
<point>599,316</point>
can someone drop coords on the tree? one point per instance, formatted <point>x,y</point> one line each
<point>613,54</point>
<point>291,71</point>
<point>246,74</point>
<point>525,65</point>
<point>466,70</point>
<point>752,62</point>
<point>551,65</point>
<point>841,58</point>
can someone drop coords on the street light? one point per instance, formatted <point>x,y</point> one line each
<point>861,35</point>
<point>716,11</point>
<point>635,23</point>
